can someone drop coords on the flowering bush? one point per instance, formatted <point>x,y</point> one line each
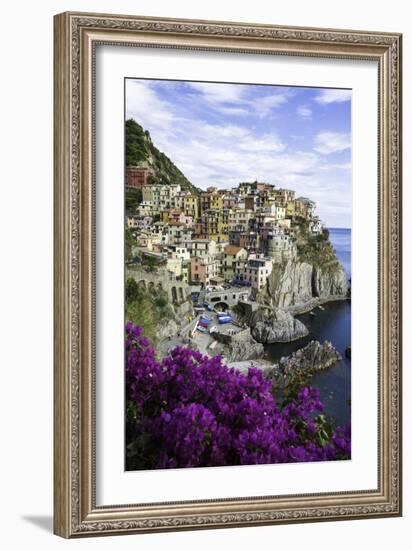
<point>191,410</point>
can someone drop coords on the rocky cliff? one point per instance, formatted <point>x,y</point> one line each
<point>300,284</point>
<point>311,277</point>
<point>275,325</point>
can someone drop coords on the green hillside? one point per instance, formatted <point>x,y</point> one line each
<point>140,148</point>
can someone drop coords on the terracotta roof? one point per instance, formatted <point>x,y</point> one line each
<point>231,249</point>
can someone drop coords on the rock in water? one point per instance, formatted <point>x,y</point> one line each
<point>270,326</point>
<point>306,361</point>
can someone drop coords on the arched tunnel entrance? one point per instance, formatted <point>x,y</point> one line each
<point>219,305</point>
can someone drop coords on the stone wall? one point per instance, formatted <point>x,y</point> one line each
<point>178,291</point>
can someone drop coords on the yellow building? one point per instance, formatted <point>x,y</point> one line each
<point>234,261</point>
<point>191,206</point>
<point>285,223</point>
<point>216,201</point>
<point>225,222</point>
<point>211,200</point>
<point>290,209</point>
<point>215,224</point>
<point>300,208</point>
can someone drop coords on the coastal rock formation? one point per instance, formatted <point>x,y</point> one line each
<point>288,284</point>
<point>329,281</point>
<point>243,350</point>
<point>298,285</point>
<point>275,325</point>
<point>306,361</point>
<point>240,346</point>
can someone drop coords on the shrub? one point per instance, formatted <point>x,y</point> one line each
<point>161,302</point>
<point>132,290</point>
<point>191,410</point>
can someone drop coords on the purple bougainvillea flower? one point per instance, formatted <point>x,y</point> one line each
<point>191,410</point>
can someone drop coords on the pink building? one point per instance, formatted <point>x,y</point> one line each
<point>257,271</point>
<point>203,269</point>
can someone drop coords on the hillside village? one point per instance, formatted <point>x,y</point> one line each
<point>222,270</point>
<point>220,235</point>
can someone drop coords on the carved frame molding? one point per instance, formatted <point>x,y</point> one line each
<point>76,36</point>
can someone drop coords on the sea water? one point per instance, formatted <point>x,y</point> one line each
<point>333,323</point>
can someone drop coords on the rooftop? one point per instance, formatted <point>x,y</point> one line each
<point>231,249</point>
<point>199,241</point>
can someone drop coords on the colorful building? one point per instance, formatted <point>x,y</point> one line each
<point>233,264</point>
<point>202,270</point>
<point>257,271</point>
<point>178,233</point>
<point>202,248</point>
<point>138,176</point>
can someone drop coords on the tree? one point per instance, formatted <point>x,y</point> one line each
<point>129,243</point>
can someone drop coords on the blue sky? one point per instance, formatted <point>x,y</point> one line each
<point>220,134</point>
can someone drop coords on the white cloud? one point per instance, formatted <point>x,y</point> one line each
<point>221,98</point>
<point>263,144</point>
<point>144,105</point>
<point>333,96</point>
<point>217,131</point>
<point>216,94</point>
<point>304,112</point>
<point>233,111</point>
<point>223,154</point>
<point>264,105</point>
<point>331,142</point>
<point>224,163</point>
<point>337,166</point>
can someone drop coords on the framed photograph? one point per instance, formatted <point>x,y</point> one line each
<point>227,274</point>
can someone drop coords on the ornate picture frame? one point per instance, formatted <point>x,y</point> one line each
<point>76,36</point>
